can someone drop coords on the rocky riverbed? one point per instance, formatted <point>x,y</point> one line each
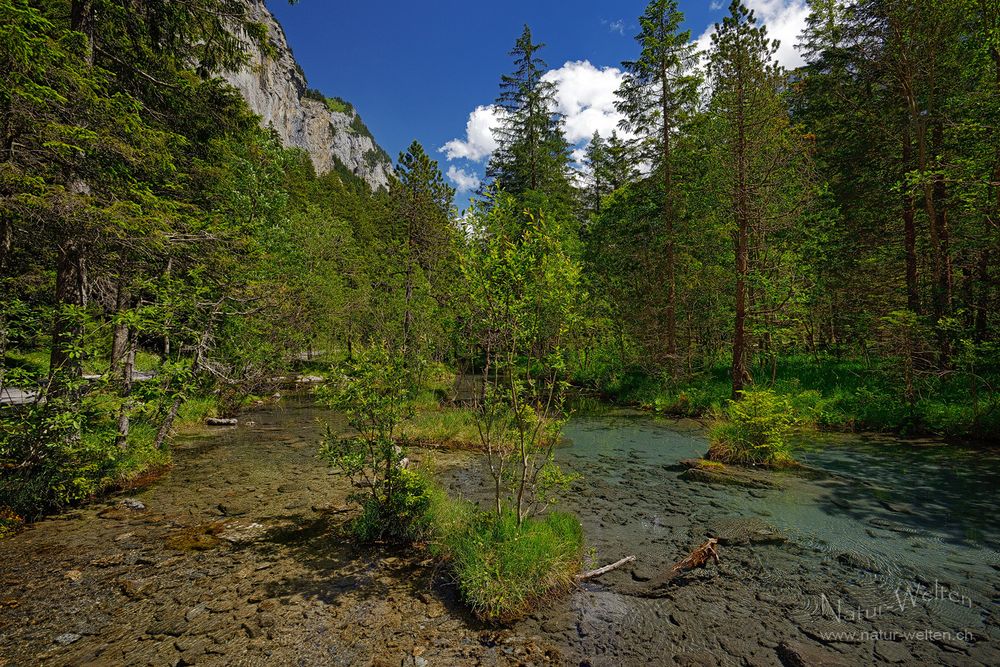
<point>237,556</point>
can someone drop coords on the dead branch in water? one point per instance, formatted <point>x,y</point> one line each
<point>604,570</point>
<point>699,557</point>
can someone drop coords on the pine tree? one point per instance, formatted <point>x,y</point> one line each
<point>532,153</point>
<point>657,93</point>
<point>422,207</point>
<point>756,149</point>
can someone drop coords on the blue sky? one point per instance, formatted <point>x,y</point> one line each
<point>420,70</point>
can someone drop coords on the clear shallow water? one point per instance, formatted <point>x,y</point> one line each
<point>887,523</point>
<point>282,586</point>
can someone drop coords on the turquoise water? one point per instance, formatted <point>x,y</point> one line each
<point>882,517</point>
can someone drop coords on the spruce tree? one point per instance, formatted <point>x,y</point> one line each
<point>532,153</point>
<point>657,94</point>
<point>756,154</point>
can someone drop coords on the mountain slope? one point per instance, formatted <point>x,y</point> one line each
<point>330,130</point>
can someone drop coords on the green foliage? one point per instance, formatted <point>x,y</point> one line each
<point>10,522</point>
<point>374,391</point>
<point>754,430</point>
<point>532,153</point>
<point>399,517</point>
<point>524,300</point>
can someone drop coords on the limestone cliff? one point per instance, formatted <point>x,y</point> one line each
<point>329,130</point>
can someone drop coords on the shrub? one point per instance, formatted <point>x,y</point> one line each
<point>375,393</point>
<point>400,517</point>
<point>504,569</point>
<point>10,522</point>
<point>754,430</point>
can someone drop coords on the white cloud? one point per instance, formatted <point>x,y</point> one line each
<point>585,96</point>
<point>785,20</point>
<point>479,142</point>
<point>617,26</point>
<point>715,5</point>
<point>463,180</point>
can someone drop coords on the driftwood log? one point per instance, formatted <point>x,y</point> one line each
<point>699,557</point>
<point>604,570</point>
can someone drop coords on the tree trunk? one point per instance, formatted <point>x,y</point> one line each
<point>983,298</point>
<point>740,373</point>
<point>668,221</point>
<point>910,231</point>
<point>66,329</point>
<point>6,238</point>
<point>120,338</point>
<point>82,20</point>
<point>127,371</point>
<point>408,315</point>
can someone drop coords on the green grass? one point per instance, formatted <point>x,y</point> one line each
<point>194,410</point>
<point>504,570</point>
<point>447,427</point>
<point>37,362</point>
<point>828,393</point>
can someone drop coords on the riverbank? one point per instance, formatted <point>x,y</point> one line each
<point>830,394</point>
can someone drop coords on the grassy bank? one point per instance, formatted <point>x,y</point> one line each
<point>81,470</point>
<point>829,393</point>
<point>504,570</point>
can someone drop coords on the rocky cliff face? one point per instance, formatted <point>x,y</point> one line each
<point>329,130</point>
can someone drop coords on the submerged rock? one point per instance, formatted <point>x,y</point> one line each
<point>711,472</point>
<point>215,421</point>
<point>746,530</point>
<point>798,654</point>
<point>68,638</point>
<point>133,504</point>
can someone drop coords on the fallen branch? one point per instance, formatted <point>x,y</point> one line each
<point>604,570</point>
<point>699,557</point>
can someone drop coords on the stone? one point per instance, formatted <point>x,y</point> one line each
<point>109,561</point>
<point>73,575</point>
<point>798,654</point>
<point>892,652</point>
<point>133,504</point>
<point>68,638</point>
<point>746,530</point>
<point>859,561</point>
<point>696,659</point>
<point>710,472</point>
<point>218,421</point>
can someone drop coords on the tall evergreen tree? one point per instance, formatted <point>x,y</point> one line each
<point>532,153</point>
<point>756,149</point>
<point>657,93</point>
<point>423,235</point>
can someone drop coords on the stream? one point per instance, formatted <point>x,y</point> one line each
<point>886,553</point>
